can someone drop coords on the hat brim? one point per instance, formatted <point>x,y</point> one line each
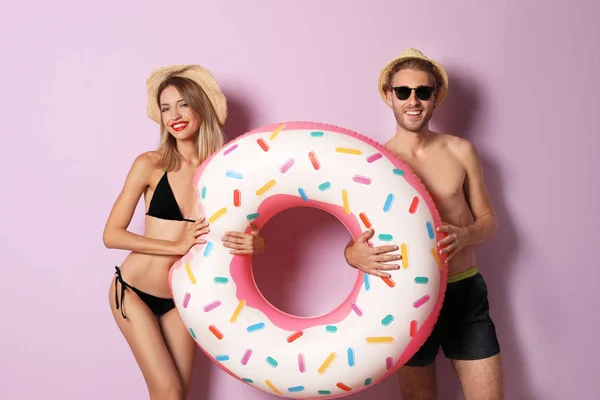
<point>196,73</point>
<point>442,90</point>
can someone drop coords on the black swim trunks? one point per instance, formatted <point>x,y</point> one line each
<point>464,329</point>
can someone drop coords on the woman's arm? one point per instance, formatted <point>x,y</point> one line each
<point>116,235</point>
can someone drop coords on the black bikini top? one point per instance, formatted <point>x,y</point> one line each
<point>163,204</point>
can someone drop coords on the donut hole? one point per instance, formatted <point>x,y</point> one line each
<point>303,271</point>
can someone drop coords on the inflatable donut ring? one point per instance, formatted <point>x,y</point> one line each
<point>381,323</point>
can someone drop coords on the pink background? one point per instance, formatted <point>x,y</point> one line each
<point>523,75</point>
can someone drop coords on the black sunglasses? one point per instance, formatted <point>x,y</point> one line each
<point>422,92</point>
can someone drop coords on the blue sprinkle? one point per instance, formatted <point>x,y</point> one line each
<point>331,328</point>
<point>388,203</point>
<point>351,356</point>
<point>296,389</point>
<point>421,279</point>
<point>398,172</point>
<point>316,134</point>
<point>208,249</point>
<point>250,217</point>
<point>324,392</point>
<point>272,362</point>
<point>203,191</point>
<point>222,357</point>
<point>367,283</point>
<point>302,194</point>
<point>192,333</point>
<point>234,175</point>
<point>247,380</point>
<point>387,320</point>
<point>220,279</point>
<point>368,381</point>
<point>430,230</point>
<point>385,237</point>
<point>255,327</point>
<point>324,186</point>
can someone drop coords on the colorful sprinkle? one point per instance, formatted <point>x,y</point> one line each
<point>221,280</point>
<point>404,254</point>
<point>380,339</point>
<point>186,300</point>
<point>437,258</point>
<point>237,311</point>
<point>368,381</point>
<point>346,150</point>
<point>313,160</point>
<point>270,385</point>
<point>365,220</point>
<point>374,157</point>
<point>265,187</point>
<point>301,364</point>
<point>222,357</point>
<point>326,363</point>
<point>387,320</point>
<point>389,281</point>
<point>345,201</point>
<point>287,165</point>
<point>385,237</point>
<point>345,388</point>
<point>367,282</point>
<point>217,215</point>
<point>413,328</point>
<point>302,194</point>
<point>324,392</point>
<point>389,362</point>
<point>208,249</point>
<point>255,327</point>
<point>203,192</point>
<point>351,360</point>
<point>356,309</point>
<point>413,205</point>
<point>421,301</point>
<point>276,131</point>
<point>230,149</point>
<point>324,186</point>
<point>234,175</point>
<point>215,332</point>
<point>263,145</point>
<point>253,216</point>
<point>192,333</point>
<point>247,380</point>
<point>421,279</point>
<point>296,389</point>
<point>211,306</point>
<point>237,198</point>
<point>317,134</point>
<point>398,172</point>
<point>388,202</point>
<point>363,180</point>
<point>430,230</point>
<point>331,328</point>
<point>272,362</point>
<point>246,356</point>
<point>188,269</point>
<point>294,336</point>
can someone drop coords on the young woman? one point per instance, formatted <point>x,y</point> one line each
<point>187,103</point>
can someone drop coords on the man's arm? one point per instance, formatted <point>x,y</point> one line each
<point>478,198</point>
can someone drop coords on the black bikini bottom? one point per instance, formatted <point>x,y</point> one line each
<point>158,305</point>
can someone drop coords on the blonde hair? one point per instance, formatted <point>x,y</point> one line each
<point>210,135</point>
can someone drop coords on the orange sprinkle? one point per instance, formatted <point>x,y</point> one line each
<point>389,282</point>
<point>215,332</point>
<point>263,145</point>
<point>313,160</point>
<point>413,328</point>
<point>365,220</point>
<point>237,198</point>
<point>345,388</point>
<point>294,336</point>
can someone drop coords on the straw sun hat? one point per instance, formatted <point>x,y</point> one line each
<point>196,73</point>
<point>409,54</point>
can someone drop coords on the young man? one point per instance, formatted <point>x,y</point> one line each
<point>413,86</point>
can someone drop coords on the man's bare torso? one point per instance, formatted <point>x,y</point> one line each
<point>441,170</point>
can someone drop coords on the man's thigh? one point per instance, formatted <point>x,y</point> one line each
<point>481,379</point>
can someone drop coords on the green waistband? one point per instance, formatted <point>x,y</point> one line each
<point>463,275</point>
